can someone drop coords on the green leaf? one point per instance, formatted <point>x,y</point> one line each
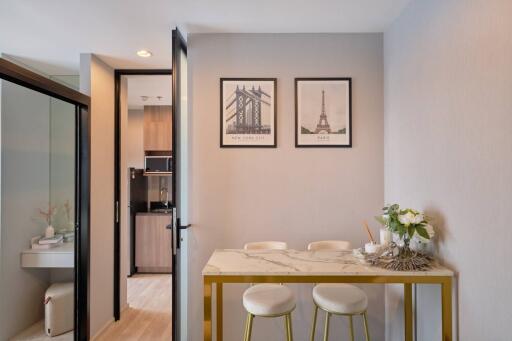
<point>410,231</point>
<point>422,232</point>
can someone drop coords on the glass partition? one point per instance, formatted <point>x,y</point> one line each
<point>37,215</point>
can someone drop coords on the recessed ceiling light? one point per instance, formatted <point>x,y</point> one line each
<point>144,53</point>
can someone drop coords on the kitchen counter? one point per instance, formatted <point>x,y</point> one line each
<point>153,242</point>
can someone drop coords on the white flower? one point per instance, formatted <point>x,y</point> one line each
<point>418,218</point>
<point>406,218</point>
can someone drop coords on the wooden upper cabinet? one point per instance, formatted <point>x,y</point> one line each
<point>157,127</point>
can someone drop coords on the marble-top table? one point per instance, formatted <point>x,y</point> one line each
<point>292,266</point>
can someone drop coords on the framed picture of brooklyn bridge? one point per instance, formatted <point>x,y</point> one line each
<point>248,112</point>
<point>323,115</point>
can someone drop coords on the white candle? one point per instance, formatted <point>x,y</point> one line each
<point>371,247</point>
<point>385,236</point>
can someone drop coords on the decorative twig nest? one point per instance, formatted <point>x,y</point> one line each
<point>400,258</point>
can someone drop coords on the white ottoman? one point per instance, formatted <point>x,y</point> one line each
<point>59,308</point>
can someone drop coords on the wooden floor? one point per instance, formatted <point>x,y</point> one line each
<point>149,314</point>
<point>36,333</point>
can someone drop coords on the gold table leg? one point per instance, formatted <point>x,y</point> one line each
<point>446,302</point>
<point>207,325</point>
<point>219,310</point>
<point>408,311</point>
<point>446,289</point>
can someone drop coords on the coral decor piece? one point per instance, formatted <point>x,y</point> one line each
<point>48,214</point>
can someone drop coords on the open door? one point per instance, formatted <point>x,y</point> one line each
<point>180,185</point>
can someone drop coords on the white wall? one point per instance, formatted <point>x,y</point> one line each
<point>25,188</point>
<point>97,81</point>
<point>296,195</point>
<point>448,144</point>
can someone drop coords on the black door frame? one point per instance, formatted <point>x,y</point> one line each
<point>178,45</point>
<point>117,176</point>
<point>31,80</point>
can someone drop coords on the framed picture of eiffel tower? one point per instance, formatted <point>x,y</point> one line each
<point>323,112</point>
<point>248,112</point>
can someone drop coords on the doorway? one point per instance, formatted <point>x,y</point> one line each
<point>177,166</point>
<point>144,204</point>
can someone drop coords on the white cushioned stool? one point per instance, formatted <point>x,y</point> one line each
<point>268,300</point>
<point>338,299</point>
<point>59,308</point>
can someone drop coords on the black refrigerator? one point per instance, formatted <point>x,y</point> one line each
<point>137,202</point>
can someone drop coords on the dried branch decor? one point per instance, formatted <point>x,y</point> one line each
<point>398,258</point>
<point>47,215</point>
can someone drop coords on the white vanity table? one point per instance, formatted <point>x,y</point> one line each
<point>62,256</point>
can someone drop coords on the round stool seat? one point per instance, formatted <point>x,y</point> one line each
<point>268,299</point>
<point>340,298</point>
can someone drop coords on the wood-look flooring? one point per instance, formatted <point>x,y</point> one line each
<point>148,317</point>
<point>36,333</point>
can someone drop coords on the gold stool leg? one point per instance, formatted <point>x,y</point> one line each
<point>250,318</point>
<point>326,329</point>
<point>313,328</point>
<point>351,327</point>
<point>289,333</point>
<point>366,332</point>
<point>245,327</point>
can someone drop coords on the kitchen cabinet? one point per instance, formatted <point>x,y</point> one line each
<point>157,128</point>
<point>153,242</point>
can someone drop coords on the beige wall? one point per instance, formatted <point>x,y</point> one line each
<point>126,139</point>
<point>448,151</point>
<point>295,195</point>
<point>97,81</point>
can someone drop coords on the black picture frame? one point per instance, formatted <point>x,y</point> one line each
<point>348,144</point>
<point>273,105</point>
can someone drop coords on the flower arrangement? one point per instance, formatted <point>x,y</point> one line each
<point>406,223</point>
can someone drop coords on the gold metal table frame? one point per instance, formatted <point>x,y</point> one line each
<point>406,280</point>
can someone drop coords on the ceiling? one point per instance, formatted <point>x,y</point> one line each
<point>50,35</point>
<point>151,87</point>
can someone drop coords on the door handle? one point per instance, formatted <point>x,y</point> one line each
<point>174,232</point>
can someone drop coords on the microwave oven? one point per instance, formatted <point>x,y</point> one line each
<point>158,164</point>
